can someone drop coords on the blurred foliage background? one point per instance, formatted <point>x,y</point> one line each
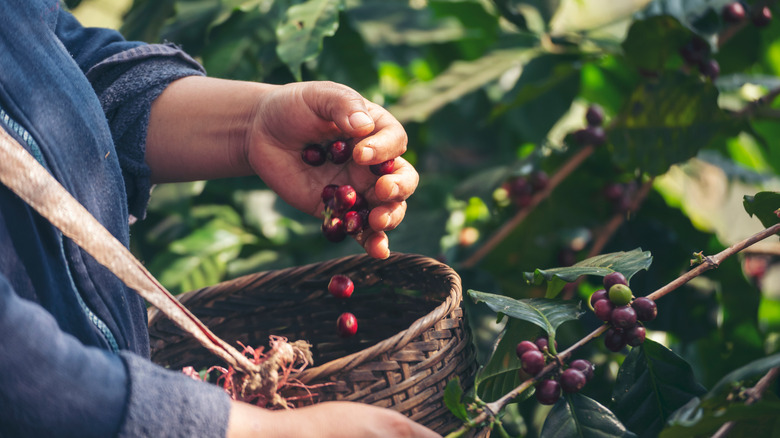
<point>488,91</point>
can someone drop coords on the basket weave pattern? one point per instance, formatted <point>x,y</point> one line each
<point>411,340</point>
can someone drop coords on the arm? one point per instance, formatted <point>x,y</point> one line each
<point>208,128</point>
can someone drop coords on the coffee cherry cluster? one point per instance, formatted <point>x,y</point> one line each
<point>616,305</point>
<point>519,190</point>
<point>620,195</point>
<point>594,133</point>
<point>533,357</point>
<point>346,212</point>
<point>341,287</point>
<point>696,53</point>
<point>337,152</point>
<point>737,12</point>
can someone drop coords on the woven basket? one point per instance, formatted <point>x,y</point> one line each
<point>411,338</point>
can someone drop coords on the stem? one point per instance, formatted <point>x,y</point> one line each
<point>752,107</point>
<point>491,409</point>
<point>711,262</point>
<point>754,394</point>
<point>520,216</point>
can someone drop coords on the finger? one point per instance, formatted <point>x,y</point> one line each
<point>340,104</point>
<point>399,185</point>
<point>375,243</point>
<point>389,139</point>
<point>386,217</point>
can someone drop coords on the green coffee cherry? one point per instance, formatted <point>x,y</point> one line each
<point>620,295</point>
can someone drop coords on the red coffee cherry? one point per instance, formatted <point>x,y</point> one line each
<point>345,197</point>
<point>603,309</point>
<point>623,317</point>
<point>525,346</point>
<point>572,380</point>
<point>313,155</point>
<point>346,325</point>
<point>341,286</point>
<point>635,336</point>
<point>583,365</point>
<point>646,309</point>
<point>334,229</point>
<point>339,152</point>
<point>548,391</point>
<point>353,222</point>
<point>532,361</point>
<point>614,339</point>
<point>600,294</point>
<point>383,168</point>
<point>614,278</point>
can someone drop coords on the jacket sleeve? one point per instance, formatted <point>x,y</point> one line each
<point>127,76</point>
<point>52,385</point>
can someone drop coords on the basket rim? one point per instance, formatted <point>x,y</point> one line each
<point>351,361</point>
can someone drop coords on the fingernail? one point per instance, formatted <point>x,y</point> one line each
<point>394,191</point>
<point>359,120</point>
<point>367,154</point>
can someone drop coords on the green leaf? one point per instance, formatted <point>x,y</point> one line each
<point>306,25</point>
<point>501,373</point>
<point>544,313</point>
<point>452,399</point>
<point>145,19</point>
<point>749,371</point>
<point>651,43</point>
<point>763,205</point>
<point>652,383</point>
<point>706,424</point>
<point>666,122</point>
<point>627,263</point>
<point>576,415</point>
<point>461,78</point>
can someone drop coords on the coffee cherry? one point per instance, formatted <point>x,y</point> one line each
<point>383,168</point>
<point>600,294</point>
<point>524,346</point>
<point>334,229</point>
<point>532,361</point>
<point>595,115</point>
<point>623,317</point>
<point>360,202</point>
<point>346,325</point>
<point>620,295</point>
<point>341,286</point>
<point>710,68</point>
<point>345,197</point>
<point>613,192</point>
<point>542,343</point>
<point>733,12</point>
<point>572,380</point>
<point>353,222</point>
<point>696,51</point>
<point>603,309</point>
<point>635,336</point>
<point>762,17</point>
<point>646,309</point>
<point>584,366</point>
<point>339,152</point>
<point>539,180</point>
<point>614,339</point>
<point>614,278</point>
<point>313,155</point>
<point>548,391</point>
<point>328,192</point>
<point>592,135</point>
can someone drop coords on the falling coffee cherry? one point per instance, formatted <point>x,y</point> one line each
<point>346,325</point>
<point>341,286</point>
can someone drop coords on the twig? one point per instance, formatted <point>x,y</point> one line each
<point>754,394</point>
<point>518,218</point>
<point>493,408</point>
<point>753,106</point>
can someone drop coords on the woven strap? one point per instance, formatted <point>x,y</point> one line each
<point>22,173</point>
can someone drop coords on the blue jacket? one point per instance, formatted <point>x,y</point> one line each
<point>73,339</point>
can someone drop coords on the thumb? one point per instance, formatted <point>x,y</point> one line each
<point>341,105</point>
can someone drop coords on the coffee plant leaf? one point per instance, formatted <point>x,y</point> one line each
<point>626,262</point>
<point>190,25</point>
<point>653,42</point>
<point>764,206</point>
<point>461,78</point>
<point>501,372</point>
<point>545,313</point>
<point>761,415</point>
<point>146,18</point>
<point>301,34</point>
<point>748,372</point>
<point>652,383</point>
<point>700,16</point>
<point>453,394</point>
<point>581,416</point>
<point>667,121</point>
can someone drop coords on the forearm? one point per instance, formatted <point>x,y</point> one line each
<point>198,129</point>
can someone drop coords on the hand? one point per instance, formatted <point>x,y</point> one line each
<point>289,117</point>
<point>323,420</point>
